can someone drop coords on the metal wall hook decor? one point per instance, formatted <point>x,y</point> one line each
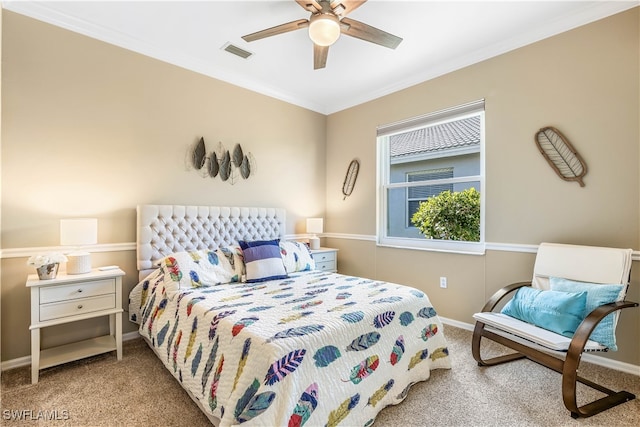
<point>350,178</point>
<point>223,163</point>
<point>560,154</point>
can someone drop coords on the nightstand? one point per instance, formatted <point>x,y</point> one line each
<point>326,259</point>
<point>70,298</point>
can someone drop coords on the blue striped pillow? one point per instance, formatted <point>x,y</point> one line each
<point>262,260</point>
<point>597,295</point>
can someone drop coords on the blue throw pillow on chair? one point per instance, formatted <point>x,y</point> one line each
<point>559,312</point>
<point>597,295</point>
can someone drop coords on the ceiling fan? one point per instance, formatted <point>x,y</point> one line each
<point>326,23</point>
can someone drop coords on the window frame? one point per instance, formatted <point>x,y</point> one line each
<point>384,185</point>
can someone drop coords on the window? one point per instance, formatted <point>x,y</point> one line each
<point>421,158</point>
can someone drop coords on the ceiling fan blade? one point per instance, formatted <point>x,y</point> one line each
<point>278,29</point>
<point>360,30</point>
<point>348,6</point>
<point>310,5</point>
<point>320,54</point>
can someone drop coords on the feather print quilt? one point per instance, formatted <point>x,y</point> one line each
<point>315,349</point>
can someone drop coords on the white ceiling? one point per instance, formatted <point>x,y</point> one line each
<point>439,37</point>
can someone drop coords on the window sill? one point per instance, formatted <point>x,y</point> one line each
<point>463,248</point>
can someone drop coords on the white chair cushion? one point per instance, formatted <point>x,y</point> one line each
<point>531,332</point>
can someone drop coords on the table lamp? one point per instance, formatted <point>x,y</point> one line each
<point>314,226</point>
<point>77,233</point>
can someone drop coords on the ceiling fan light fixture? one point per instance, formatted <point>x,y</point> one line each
<point>324,29</point>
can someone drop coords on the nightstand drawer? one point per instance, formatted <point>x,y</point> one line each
<point>57,310</point>
<point>78,290</point>
<point>321,257</point>
<point>326,265</point>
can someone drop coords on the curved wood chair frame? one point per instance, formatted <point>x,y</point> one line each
<point>568,366</point>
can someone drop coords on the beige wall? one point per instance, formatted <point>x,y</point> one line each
<point>91,129</point>
<point>586,83</point>
<point>1,14</point>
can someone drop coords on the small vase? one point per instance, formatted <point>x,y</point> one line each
<point>47,272</point>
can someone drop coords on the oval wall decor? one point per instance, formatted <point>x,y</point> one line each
<point>560,154</point>
<point>350,178</point>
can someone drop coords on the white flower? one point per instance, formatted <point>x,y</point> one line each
<point>50,258</point>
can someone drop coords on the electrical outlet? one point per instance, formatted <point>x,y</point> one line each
<point>443,282</point>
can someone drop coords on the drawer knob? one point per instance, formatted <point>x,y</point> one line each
<point>79,306</point>
<point>79,291</point>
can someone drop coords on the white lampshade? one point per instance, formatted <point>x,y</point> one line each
<point>314,225</point>
<point>78,232</point>
<point>324,29</point>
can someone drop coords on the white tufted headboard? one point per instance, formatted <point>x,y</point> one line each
<point>164,229</point>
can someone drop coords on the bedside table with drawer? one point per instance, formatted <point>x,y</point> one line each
<point>326,259</point>
<point>70,298</point>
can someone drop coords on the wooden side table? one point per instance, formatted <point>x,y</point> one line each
<point>70,298</point>
<point>326,259</point>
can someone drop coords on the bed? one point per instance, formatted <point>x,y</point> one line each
<point>262,339</point>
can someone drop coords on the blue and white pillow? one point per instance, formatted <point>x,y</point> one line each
<point>262,260</point>
<point>296,256</point>
<point>194,269</point>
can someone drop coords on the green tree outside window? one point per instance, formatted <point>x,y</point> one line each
<point>450,216</point>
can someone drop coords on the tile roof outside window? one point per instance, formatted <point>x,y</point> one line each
<point>444,136</point>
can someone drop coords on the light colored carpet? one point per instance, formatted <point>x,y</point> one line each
<point>138,391</point>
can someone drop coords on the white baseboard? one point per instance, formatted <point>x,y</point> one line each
<point>130,336</point>
<point>627,368</point>
<point>16,363</point>
<point>26,360</point>
<point>457,323</point>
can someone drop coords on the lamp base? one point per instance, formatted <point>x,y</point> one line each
<point>78,263</point>
<point>314,243</point>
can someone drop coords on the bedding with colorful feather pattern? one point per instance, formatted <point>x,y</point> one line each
<point>316,348</point>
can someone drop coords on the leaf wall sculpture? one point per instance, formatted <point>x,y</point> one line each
<point>238,156</point>
<point>221,162</point>
<point>214,166</point>
<point>561,155</point>
<point>245,168</point>
<point>350,178</point>
<point>225,166</point>
<point>199,154</point>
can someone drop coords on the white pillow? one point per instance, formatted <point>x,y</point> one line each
<point>194,269</point>
<point>296,256</point>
